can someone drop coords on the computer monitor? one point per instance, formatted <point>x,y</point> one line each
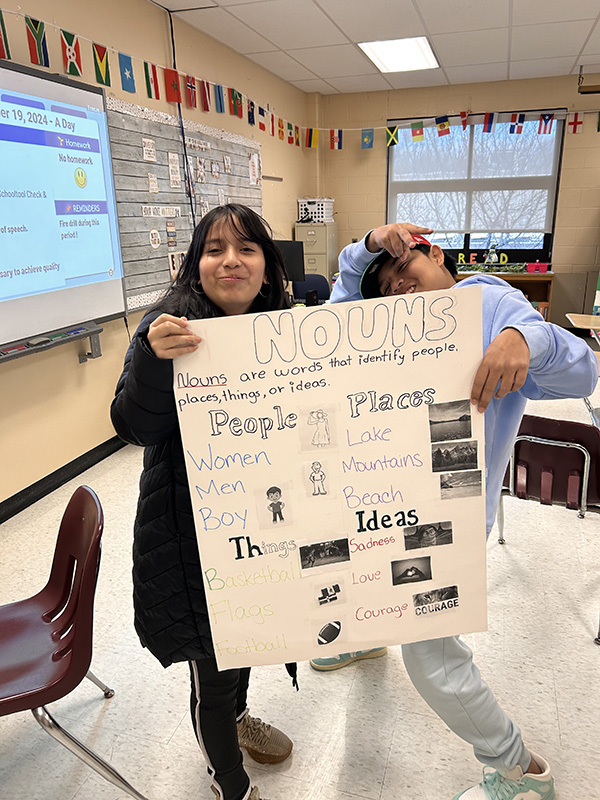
<point>293,258</point>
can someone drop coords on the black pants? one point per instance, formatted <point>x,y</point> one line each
<point>217,702</point>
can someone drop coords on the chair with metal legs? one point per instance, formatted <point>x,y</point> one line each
<point>557,462</point>
<point>46,640</point>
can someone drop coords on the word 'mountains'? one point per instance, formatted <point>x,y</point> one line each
<point>369,326</point>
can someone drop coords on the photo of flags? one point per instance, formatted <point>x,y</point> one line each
<point>516,123</point>
<point>251,116</point>
<point>575,123</point>
<point>280,129</point>
<point>191,91</point>
<point>262,122</point>
<point>290,133</point>
<point>366,139</point>
<point>4,48</point>
<point>236,105</point>
<point>36,41</point>
<point>546,122</point>
<point>272,124</point>
<point>151,76</point>
<point>391,136</point>
<point>416,129</point>
<point>296,136</point>
<point>126,70</point>
<point>312,138</point>
<point>443,125</point>
<point>71,53</point>
<point>101,65</point>
<point>335,139</point>
<point>464,118</point>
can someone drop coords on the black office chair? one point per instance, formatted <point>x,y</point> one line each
<point>313,282</point>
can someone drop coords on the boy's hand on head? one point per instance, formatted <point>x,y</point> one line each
<point>396,238</point>
<point>505,362</point>
<point>170,337</point>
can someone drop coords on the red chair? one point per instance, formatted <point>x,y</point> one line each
<point>46,640</point>
<point>557,462</point>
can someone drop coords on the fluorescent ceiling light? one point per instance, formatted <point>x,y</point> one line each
<point>400,55</point>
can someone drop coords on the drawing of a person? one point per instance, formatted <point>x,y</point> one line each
<point>276,505</point>
<point>317,476</point>
<point>321,436</point>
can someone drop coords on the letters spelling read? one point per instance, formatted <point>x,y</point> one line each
<point>317,335</point>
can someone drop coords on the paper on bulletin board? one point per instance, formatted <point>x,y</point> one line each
<point>336,469</point>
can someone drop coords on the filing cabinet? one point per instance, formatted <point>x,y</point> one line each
<point>320,247</point>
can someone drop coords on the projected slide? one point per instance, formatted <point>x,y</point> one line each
<point>60,260</point>
<point>53,204</point>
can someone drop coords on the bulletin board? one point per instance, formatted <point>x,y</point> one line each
<point>155,197</point>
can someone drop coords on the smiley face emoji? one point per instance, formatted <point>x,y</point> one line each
<point>80,177</point>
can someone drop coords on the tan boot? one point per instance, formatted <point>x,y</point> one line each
<point>264,743</point>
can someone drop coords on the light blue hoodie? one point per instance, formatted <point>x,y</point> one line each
<point>561,365</point>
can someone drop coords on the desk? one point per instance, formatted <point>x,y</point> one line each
<point>589,321</point>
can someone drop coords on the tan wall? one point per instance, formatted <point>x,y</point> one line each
<point>357,178</point>
<point>53,409</point>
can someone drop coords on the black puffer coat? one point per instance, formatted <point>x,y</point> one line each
<point>171,617</point>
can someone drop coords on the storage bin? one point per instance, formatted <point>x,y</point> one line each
<point>315,209</point>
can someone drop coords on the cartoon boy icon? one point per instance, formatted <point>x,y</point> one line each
<point>276,505</point>
<point>317,477</point>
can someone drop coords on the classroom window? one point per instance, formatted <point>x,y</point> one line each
<point>475,188</point>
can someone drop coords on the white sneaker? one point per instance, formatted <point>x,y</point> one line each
<point>513,784</point>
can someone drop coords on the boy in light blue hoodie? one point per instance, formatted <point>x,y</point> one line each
<point>524,357</point>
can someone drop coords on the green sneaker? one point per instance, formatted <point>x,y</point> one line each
<point>513,784</point>
<point>337,662</point>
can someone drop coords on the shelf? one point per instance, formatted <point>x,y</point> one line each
<point>536,286</point>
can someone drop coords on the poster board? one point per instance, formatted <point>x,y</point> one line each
<point>154,199</point>
<point>336,469</point>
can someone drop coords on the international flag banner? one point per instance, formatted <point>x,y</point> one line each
<point>312,138</point>
<point>272,125</point>
<point>219,99</point>
<point>36,40</point>
<point>366,139</point>
<point>172,86</point>
<point>546,122</point>
<point>71,53</point>
<point>296,136</point>
<point>516,123</point>
<point>101,64</point>
<point>236,105</point>
<point>126,70</point>
<point>416,129</point>
<point>290,133</point>
<point>575,123</point>
<point>4,48</point>
<point>464,118</point>
<point>335,139</point>
<point>191,91</point>
<point>205,95</point>
<point>251,114</point>
<point>443,125</point>
<point>262,121</point>
<point>151,76</point>
<point>489,122</point>
<point>391,136</point>
<point>280,129</point>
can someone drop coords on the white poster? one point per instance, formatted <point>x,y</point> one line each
<point>336,469</point>
<point>174,171</point>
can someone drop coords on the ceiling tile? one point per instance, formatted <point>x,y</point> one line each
<point>227,29</point>
<point>459,50</point>
<point>282,65</point>
<point>548,39</point>
<point>335,62</point>
<point>383,21</point>
<point>540,68</point>
<point>478,73</point>
<point>417,78</point>
<point>528,12</point>
<point>315,86</point>
<point>289,24</point>
<point>442,16</point>
<point>175,5</point>
<point>360,83</point>
<point>593,43</point>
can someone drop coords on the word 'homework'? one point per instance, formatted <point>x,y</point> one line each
<point>336,470</point>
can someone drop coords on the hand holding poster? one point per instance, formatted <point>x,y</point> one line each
<point>336,470</point>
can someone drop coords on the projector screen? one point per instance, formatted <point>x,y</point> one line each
<point>60,259</point>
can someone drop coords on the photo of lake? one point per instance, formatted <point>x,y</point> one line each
<point>449,421</point>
